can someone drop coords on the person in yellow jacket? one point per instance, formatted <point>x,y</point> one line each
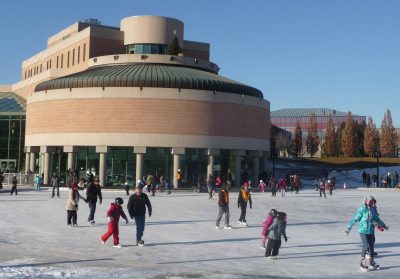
<point>179,178</point>
<point>243,199</point>
<point>223,204</point>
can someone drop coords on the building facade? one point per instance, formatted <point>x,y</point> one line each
<point>112,100</point>
<point>287,119</point>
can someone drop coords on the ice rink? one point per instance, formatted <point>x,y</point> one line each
<point>182,241</point>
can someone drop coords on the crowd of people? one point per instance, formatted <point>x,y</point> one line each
<point>388,180</point>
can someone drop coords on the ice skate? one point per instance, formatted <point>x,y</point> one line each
<point>228,227</point>
<point>240,222</point>
<point>117,246</point>
<point>92,222</point>
<point>373,265</point>
<point>244,224</point>
<point>103,242</point>
<point>140,243</point>
<point>75,225</point>
<point>363,265</point>
<point>217,227</point>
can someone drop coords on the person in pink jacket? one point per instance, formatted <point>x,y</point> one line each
<point>267,223</point>
<point>282,186</point>
<point>262,186</point>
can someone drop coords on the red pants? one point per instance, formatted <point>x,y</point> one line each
<point>113,229</point>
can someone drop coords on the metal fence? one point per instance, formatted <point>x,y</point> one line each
<point>22,178</point>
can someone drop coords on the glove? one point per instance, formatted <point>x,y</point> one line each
<point>76,205</point>
<point>238,205</point>
<point>347,232</point>
<point>387,228</point>
<point>126,221</point>
<point>149,214</point>
<point>109,219</point>
<point>101,201</point>
<point>285,238</point>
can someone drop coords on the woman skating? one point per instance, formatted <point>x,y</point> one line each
<point>72,205</point>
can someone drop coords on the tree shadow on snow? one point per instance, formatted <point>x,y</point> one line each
<point>53,263</point>
<point>204,241</point>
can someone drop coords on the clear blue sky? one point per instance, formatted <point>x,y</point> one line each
<point>342,54</point>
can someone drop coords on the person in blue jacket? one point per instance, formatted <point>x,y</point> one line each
<point>367,219</point>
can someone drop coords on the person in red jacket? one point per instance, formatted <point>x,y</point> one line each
<point>113,215</point>
<point>282,186</point>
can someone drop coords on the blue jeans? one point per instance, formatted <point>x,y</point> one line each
<point>367,244</point>
<point>140,221</point>
<point>92,207</point>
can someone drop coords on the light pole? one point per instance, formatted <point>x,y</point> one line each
<point>378,154</point>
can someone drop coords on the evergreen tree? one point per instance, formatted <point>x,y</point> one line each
<point>174,48</point>
<point>312,141</point>
<point>297,142</point>
<point>389,136</point>
<point>349,137</point>
<point>329,146</point>
<point>371,137</point>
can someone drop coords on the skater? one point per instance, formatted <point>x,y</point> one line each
<point>151,184</point>
<point>14,183</point>
<point>168,185</point>
<point>373,208</point>
<point>210,186</point>
<point>275,233</point>
<point>229,179</point>
<point>297,183</point>
<point>262,186</point>
<point>364,177</point>
<point>330,187</point>
<point>267,223</point>
<point>127,188</point>
<point>113,215</point>
<point>322,188</point>
<point>1,179</point>
<point>137,210</point>
<point>223,204</point>
<point>92,192</point>
<point>179,178</point>
<point>72,205</point>
<point>244,197</point>
<point>367,219</point>
<point>55,182</point>
<point>37,182</point>
<point>282,186</point>
<point>273,186</point>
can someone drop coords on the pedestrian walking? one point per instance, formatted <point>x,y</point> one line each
<point>113,215</point>
<point>137,210</point>
<point>14,183</point>
<point>55,183</point>
<point>367,219</point>
<point>243,199</point>
<point>72,205</point>
<point>275,234</point>
<point>93,192</point>
<point>223,205</point>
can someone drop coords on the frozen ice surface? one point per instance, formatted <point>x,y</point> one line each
<point>182,242</point>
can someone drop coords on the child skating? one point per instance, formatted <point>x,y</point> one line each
<point>275,233</point>
<point>267,223</point>
<point>113,215</point>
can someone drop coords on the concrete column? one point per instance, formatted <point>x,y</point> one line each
<point>139,167</point>
<point>102,150</point>
<point>177,152</point>
<point>27,161</point>
<point>237,155</point>
<point>102,168</point>
<point>256,155</point>
<point>32,163</point>
<point>45,169</point>
<point>71,150</point>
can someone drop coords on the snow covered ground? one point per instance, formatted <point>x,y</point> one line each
<point>182,242</point>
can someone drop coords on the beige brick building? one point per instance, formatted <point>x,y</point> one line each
<point>117,102</point>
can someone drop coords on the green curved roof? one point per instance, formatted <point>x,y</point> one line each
<point>149,75</point>
<point>11,103</point>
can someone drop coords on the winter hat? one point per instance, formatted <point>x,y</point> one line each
<point>119,201</point>
<point>273,212</point>
<point>261,181</point>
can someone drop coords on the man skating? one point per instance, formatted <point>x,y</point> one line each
<point>14,183</point>
<point>55,182</point>
<point>93,191</point>
<point>223,204</point>
<point>243,199</point>
<point>137,210</point>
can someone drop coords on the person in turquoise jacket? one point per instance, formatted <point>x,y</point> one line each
<point>367,219</point>
<point>38,182</point>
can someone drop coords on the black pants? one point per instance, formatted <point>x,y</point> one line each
<point>297,190</point>
<point>127,190</point>
<point>273,246</point>
<point>14,189</point>
<point>153,189</point>
<point>322,190</point>
<point>243,207</point>
<point>92,208</point>
<point>58,190</point>
<point>273,190</point>
<point>72,216</point>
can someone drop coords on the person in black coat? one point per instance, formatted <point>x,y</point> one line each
<point>137,210</point>
<point>14,183</point>
<point>92,192</point>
